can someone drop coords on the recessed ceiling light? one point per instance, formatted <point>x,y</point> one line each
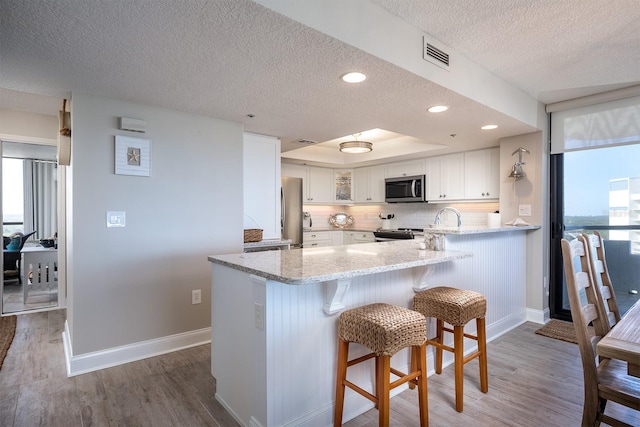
<point>354,77</point>
<point>489,127</point>
<point>437,109</point>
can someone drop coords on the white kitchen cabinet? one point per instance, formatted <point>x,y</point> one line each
<point>320,185</point>
<point>351,237</point>
<point>445,178</point>
<point>337,238</point>
<point>261,184</point>
<point>408,168</point>
<point>314,239</point>
<point>317,183</point>
<point>343,186</point>
<point>369,184</point>
<point>295,171</point>
<point>482,174</point>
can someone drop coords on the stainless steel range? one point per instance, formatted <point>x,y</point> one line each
<point>399,234</point>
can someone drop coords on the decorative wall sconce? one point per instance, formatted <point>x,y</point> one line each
<point>516,169</point>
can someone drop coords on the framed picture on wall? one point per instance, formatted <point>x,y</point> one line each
<point>132,156</point>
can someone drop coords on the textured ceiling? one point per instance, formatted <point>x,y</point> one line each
<point>228,59</point>
<point>552,49</point>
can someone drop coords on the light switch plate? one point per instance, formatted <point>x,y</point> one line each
<point>524,210</point>
<point>115,219</point>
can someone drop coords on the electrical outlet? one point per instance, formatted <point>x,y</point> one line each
<point>259,315</point>
<point>196,296</point>
<point>524,210</point>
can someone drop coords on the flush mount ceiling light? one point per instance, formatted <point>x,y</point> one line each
<point>489,127</point>
<point>437,109</point>
<point>356,147</point>
<point>354,77</point>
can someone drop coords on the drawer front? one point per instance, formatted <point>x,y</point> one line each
<point>316,243</point>
<point>364,238</point>
<point>314,236</point>
<point>359,237</point>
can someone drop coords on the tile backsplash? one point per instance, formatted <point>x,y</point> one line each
<point>418,215</point>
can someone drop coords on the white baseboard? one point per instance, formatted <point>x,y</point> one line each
<point>538,316</point>
<point>115,356</point>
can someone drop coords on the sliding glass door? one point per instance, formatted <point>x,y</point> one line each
<point>598,189</point>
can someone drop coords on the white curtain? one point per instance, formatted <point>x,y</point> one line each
<point>604,124</point>
<point>40,198</point>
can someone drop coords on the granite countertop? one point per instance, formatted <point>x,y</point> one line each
<point>477,229</point>
<point>311,265</point>
<point>331,228</point>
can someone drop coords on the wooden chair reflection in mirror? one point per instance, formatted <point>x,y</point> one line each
<point>607,379</point>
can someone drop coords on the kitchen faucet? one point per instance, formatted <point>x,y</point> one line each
<point>447,208</point>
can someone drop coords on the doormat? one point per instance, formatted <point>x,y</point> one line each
<point>561,330</point>
<point>7,332</point>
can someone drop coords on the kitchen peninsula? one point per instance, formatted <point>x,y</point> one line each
<point>274,316</point>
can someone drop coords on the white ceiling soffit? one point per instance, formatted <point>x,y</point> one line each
<point>386,146</point>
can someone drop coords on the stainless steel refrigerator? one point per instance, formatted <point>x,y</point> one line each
<point>291,210</point>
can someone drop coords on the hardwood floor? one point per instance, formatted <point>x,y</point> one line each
<point>533,381</point>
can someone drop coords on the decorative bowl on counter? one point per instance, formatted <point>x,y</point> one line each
<point>340,220</point>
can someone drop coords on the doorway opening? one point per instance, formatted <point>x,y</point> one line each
<point>30,225</point>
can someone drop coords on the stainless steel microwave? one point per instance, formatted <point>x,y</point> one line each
<point>405,189</point>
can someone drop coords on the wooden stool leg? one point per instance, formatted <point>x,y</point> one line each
<point>420,355</point>
<point>413,366</point>
<point>343,354</point>
<point>377,383</point>
<point>482,348</point>
<point>458,356</point>
<point>384,380</point>
<point>439,339</point>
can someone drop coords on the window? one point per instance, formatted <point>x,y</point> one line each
<point>12,196</point>
<point>595,185</point>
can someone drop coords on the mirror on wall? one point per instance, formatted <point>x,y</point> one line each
<point>29,227</point>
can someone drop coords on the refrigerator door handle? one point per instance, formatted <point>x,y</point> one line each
<point>283,209</point>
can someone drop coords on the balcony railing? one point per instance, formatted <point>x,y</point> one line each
<point>623,258</point>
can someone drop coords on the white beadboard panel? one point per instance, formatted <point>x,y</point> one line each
<point>302,340</point>
<point>290,365</point>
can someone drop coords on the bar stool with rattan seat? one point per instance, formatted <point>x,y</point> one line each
<point>456,307</point>
<point>384,329</point>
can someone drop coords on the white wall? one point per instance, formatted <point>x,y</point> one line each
<point>532,190</point>
<point>132,284</point>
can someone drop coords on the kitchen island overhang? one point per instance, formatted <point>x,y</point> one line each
<point>313,265</point>
<point>274,343</point>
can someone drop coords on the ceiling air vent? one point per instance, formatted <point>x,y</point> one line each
<point>434,55</point>
<point>306,141</point>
